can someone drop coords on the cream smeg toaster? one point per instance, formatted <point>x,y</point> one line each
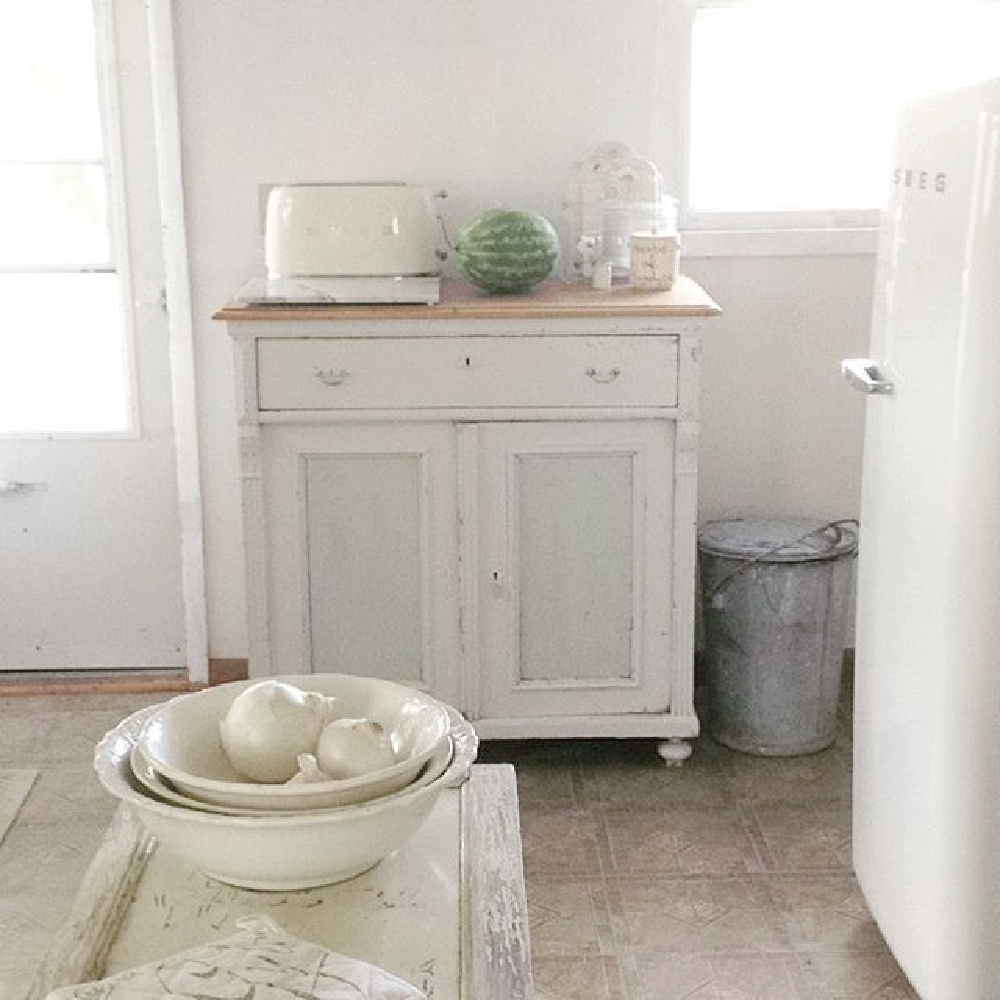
<point>351,230</point>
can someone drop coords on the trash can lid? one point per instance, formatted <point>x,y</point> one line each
<point>788,540</point>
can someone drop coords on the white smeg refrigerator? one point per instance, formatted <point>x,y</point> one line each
<point>927,683</point>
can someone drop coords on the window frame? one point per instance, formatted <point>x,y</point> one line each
<point>109,57</point>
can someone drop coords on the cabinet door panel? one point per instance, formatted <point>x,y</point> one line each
<point>574,608</point>
<point>363,556</point>
<point>574,513</point>
<point>361,538</point>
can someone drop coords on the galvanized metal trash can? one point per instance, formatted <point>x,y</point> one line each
<point>775,602</point>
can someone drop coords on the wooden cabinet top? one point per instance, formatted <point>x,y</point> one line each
<point>459,300</point>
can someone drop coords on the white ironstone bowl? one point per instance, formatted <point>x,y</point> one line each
<point>292,850</point>
<point>181,741</point>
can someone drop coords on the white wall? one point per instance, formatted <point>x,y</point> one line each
<point>492,100</point>
<point>782,431</point>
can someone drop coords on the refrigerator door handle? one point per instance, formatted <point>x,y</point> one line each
<point>863,375</point>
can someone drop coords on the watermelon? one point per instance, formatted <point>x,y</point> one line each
<point>506,252</point>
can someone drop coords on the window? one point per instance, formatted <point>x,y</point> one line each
<point>64,357</point>
<point>793,101</point>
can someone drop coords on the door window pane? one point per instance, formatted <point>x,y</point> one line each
<point>54,216</point>
<point>64,347</point>
<point>63,359</point>
<point>49,105</point>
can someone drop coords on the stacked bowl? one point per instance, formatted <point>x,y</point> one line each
<point>289,783</point>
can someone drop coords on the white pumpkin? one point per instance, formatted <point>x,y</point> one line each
<point>348,748</point>
<point>268,725</point>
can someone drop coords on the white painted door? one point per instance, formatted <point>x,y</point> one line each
<point>361,525</point>
<point>574,570</point>
<point>90,573</point>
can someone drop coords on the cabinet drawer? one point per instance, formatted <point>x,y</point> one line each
<point>471,372</point>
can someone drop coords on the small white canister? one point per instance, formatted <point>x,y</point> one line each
<point>654,246</point>
<point>654,260</point>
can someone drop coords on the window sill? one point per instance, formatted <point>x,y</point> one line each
<point>778,242</point>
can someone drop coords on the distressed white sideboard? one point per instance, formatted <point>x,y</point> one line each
<point>492,498</point>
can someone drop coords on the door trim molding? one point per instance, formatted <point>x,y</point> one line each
<point>177,294</point>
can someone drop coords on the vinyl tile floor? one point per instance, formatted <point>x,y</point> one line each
<point>728,878</point>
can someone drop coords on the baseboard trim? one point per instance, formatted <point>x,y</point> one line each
<point>91,682</point>
<point>220,671</point>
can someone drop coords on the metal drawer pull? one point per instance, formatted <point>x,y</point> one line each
<point>332,376</point>
<point>605,376</point>
<point>19,486</point>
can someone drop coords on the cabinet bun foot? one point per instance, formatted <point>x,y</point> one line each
<point>674,751</point>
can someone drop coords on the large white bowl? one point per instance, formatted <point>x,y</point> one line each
<point>181,740</point>
<point>293,850</point>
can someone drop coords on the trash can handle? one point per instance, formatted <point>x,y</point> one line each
<point>837,527</point>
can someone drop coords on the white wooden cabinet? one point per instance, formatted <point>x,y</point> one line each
<point>493,498</point>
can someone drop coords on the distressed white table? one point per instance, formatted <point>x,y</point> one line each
<point>447,912</point>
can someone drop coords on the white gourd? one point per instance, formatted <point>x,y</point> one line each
<point>348,748</point>
<point>268,725</point>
